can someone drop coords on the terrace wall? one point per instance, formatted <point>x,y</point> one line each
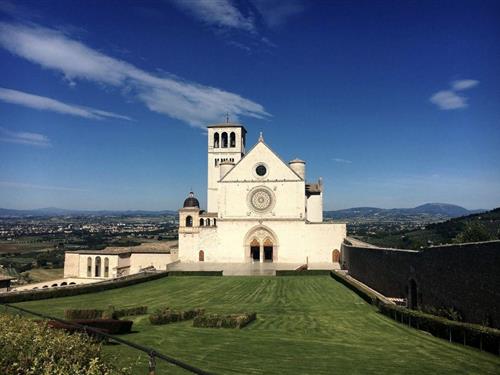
<point>463,277</point>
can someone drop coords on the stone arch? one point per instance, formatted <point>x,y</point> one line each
<point>189,221</point>
<point>201,256</point>
<point>202,222</point>
<point>54,285</point>
<point>263,236</point>
<point>216,140</point>
<point>232,139</point>
<point>208,222</point>
<point>335,256</point>
<point>215,222</point>
<point>97,266</point>
<point>64,283</point>
<point>224,140</point>
<point>89,267</point>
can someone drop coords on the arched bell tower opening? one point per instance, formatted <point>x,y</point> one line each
<point>261,245</point>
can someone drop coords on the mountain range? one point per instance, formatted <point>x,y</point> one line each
<point>432,210</point>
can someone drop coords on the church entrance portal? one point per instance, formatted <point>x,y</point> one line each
<point>261,245</point>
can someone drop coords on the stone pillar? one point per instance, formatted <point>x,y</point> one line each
<point>261,253</point>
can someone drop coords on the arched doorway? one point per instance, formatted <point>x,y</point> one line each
<point>255,250</point>
<point>335,256</point>
<point>201,256</point>
<point>261,244</point>
<point>268,250</point>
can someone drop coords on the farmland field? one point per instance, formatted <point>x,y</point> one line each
<point>305,325</point>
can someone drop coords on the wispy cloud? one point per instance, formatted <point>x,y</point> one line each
<point>47,104</point>
<point>25,138</point>
<point>464,84</point>
<point>451,99</point>
<point>276,13</point>
<point>221,13</point>
<point>190,102</point>
<point>20,185</point>
<point>339,160</point>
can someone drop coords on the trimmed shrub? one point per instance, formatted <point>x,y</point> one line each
<point>195,273</point>
<point>74,290</point>
<point>113,326</point>
<point>224,321</point>
<point>364,293</point>
<point>481,337</point>
<point>303,273</point>
<point>29,348</point>
<point>72,314</point>
<point>109,313</point>
<point>165,315</point>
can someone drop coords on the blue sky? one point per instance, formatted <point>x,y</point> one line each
<point>394,103</point>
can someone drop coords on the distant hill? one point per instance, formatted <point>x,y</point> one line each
<point>482,226</point>
<point>53,211</point>
<point>431,211</point>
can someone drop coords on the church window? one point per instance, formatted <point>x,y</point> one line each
<point>106,267</point>
<point>232,140</point>
<point>224,140</point>
<point>215,222</point>
<point>89,267</point>
<point>208,222</point>
<point>201,222</point>
<point>216,140</point>
<point>189,221</point>
<point>201,256</point>
<point>261,170</point>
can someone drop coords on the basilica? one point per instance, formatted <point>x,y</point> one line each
<point>259,208</point>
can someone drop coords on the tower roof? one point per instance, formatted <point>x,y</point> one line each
<point>191,201</point>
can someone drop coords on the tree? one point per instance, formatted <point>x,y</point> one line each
<point>473,232</point>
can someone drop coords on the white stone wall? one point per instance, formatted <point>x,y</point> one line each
<point>159,261</point>
<point>294,241</point>
<point>315,208</point>
<point>71,264</point>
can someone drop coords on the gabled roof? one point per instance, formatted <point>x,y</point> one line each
<point>252,151</point>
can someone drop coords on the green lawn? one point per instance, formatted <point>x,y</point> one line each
<point>305,325</point>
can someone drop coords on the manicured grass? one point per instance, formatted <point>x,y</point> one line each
<point>305,325</point>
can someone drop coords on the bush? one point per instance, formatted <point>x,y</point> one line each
<point>302,273</point>
<point>165,315</point>
<point>195,273</point>
<point>29,348</point>
<point>224,321</point>
<point>113,326</point>
<point>72,314</point>
<point>109,313</point>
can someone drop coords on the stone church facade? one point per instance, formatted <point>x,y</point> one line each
<point>259,208</point>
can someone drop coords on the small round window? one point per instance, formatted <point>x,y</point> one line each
<point>261,170</point>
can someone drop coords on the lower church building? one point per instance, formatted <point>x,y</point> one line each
<point>259,208</point>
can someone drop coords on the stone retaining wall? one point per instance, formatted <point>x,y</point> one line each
<point>463,277</point>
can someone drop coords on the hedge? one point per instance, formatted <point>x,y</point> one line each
<point>71,314</point>
<point>165,315</point>
<point>109,313</point>
<point>195,273</point>
<point>481,337</point>
<point>302,273</point>
<point>224,321</point>
<point>364,293</point>
<point>73,290</point>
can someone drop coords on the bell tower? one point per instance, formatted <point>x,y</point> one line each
<point>226,142</point>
